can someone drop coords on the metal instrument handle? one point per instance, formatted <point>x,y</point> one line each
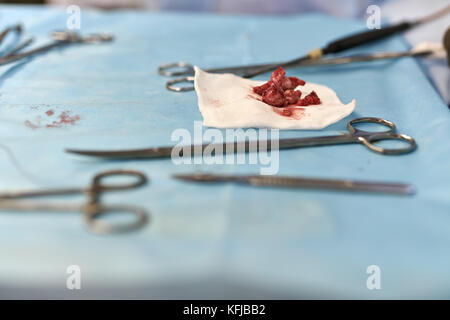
<point>93,210</point>
<point>95,224</point>
<point>385,123</point>
<point>186,69</point>
<point>171,87</point>
<point>99,186</point>
<point>368,142</point>
<point>364,37</point>
<point>72,37</point>
<point>367,137</point>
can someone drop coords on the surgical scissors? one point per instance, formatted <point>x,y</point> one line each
<point>354,136</point>
<point>92,210</point>
<point>187,69</point>
<point>61,38</point>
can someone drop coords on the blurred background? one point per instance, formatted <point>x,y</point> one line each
<point>391,10</point>
<point>342,8</point>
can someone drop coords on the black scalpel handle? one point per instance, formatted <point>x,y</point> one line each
<point>342,44</point>
<point>365,37</point>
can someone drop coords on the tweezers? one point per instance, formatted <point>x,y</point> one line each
<point>301,183</point>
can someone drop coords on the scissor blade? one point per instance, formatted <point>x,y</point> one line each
<point>222,148</point>
<point>303,183</point>
<point>285,65</point>
<point>206,177</point>
<point>363,58</point>
<point>164,152</point>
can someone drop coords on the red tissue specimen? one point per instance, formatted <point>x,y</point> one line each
<point>280,91</point>
<point>310,99</point>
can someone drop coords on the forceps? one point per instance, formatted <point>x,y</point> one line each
<point>354,136</point>
<point>301,183</point>
<point>92,210</point>
<point>61,38</point>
